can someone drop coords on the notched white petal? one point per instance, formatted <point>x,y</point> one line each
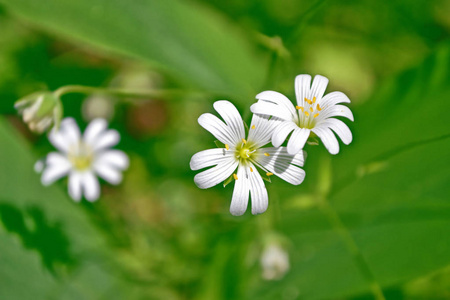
<point>94,129</point>
<point>302,88</point>
<point>328,138</point>
<point>210,157</point>
<point>297,140</point>
<point>217,128</point>
<point>90,186</point>
<point>232,117</point>
<point>239,201</point>
<point>318,87</point>
<point>258,192</point>
<point>105,140</point>
<point>282,131</point>
<point>215,175</point>
<point>282,164</point>
<point>75,186</point>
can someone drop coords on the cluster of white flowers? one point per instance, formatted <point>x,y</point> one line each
<point>245,153</point>
<point>274,118</point>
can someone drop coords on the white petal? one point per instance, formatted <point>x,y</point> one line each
<point>279,99</point>
<point>261,129</point>
<point>271,109</point>
<point>55,171</point>
<point>94,129</point>
<point>217,128</point>
<point>209,158</point>
<point>281,132</point>
<point>297,140</point>
<point>67,135</point>
<point>114,158</point>
<point>340,128</point>
<point>75,186</point>
<point>239,201</point>
<point>215,175</point>
<point>105,140</point>
<point>232,118</point>
<point>258,192</point>
<point>56,158</point>
<point>333,98</point>
<point>329,140</point>
<point>282,164</point>
<point>108,173</point>
<point>335,111</point>
<point>302,88</point>
<point>58,140</point>
<point>70,130</point>
<point>318,87</point>
<point>91,187</point>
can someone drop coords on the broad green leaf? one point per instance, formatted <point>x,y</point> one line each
<point>392,194</point>
<point>50,248</point>
<point>195,44</point>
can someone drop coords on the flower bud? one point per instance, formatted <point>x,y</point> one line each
<point>40,110</point>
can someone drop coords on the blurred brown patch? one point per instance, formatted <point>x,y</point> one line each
<point>148,118</point>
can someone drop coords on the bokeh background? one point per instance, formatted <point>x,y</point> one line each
<point>157,236</point>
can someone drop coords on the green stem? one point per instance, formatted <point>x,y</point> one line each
<point>68,89</point>
<point>352,247</point>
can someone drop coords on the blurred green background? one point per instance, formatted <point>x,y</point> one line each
<point>157,236</point>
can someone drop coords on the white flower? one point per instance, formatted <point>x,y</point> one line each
<point>83,157</point>
<point>313,113</point>
<point>274,262</point>
<point>245,155</point>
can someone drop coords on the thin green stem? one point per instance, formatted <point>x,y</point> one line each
<point>68,89</point>
<point>352,247</point>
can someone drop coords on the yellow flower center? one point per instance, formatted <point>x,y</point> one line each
<point>81,156</point>
<point>308,113</point>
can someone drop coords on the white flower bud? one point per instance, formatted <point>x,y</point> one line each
<point>40,110</point>
<point>274,262</point>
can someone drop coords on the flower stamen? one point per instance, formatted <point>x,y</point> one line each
<point>227,147</point>
<point>235,176</point>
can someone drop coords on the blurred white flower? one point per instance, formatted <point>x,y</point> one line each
<point>83,157</point>
<point>245,155</point>
<point>313,113</point>
<point>40,110</point>
<point>274,262</point>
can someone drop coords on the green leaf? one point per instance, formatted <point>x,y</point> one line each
<point>48,242</point>
<point>390,188</point>
<point>196,44</point>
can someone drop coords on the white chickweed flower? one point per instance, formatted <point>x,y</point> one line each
<point>314,113</point>
<point>274,262</point>
<point>40,110</point>
<point>84,157</point>
<point>245,155</point>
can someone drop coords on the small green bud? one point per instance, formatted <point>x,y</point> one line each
<point>40,110</point>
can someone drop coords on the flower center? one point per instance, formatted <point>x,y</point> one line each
<point>308,113</point>
<point>244,151</point>
<point>81,156</point>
